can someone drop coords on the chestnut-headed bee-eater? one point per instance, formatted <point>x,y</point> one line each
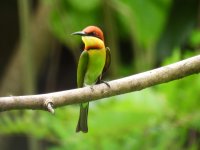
<point>93,63</point>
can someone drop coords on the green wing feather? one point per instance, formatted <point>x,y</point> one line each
<point>82,67</point>
<point>81,70</point>
<point>108,60</point>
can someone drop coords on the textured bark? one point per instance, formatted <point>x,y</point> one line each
<point>120,86</point>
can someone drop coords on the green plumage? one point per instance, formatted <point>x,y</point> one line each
<point>92,64</point>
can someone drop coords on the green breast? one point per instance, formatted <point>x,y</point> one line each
<point>95,66</point>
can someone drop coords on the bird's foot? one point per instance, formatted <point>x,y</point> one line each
<point>106,83</point>
<point>92,88</point>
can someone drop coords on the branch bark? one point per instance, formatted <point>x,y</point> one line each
<point>132,83</point>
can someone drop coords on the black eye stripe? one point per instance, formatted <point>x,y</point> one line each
<point>93,34</point>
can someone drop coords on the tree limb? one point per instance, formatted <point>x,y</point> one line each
<point>120,86</point>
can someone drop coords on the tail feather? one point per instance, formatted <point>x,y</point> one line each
<point>82,122</point>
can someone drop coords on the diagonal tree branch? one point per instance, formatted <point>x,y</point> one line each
<point>120,86</point>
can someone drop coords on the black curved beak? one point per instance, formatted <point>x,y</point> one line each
<point>81,33</point>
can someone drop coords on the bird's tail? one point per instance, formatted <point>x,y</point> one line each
<point>82,122</point>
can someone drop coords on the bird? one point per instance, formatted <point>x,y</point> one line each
<point>94,61</point>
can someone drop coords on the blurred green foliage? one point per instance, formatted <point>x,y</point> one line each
<point>163,117</point>
<point>147,25</point>
<point>141,27</point>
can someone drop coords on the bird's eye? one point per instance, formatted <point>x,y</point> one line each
<point>94,33</point>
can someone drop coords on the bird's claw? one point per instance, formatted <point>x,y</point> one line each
<point>106,83</point>
<point>92,88</point>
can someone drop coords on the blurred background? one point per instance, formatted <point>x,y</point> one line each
<point>38,55</point>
